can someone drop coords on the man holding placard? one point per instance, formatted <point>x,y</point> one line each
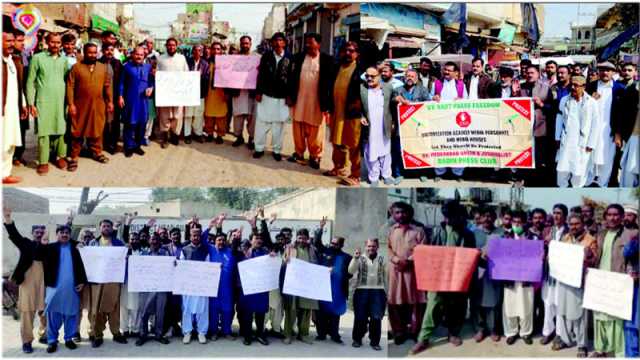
<point>171,116</point>
<point>105,298</point>
<point>571,317</point>
<point>244,104</point>
<point>221,306</point>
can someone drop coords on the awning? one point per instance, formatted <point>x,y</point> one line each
<point>101,24</point>
<point>414,43</point>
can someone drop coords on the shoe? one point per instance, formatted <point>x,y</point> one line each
<point>495,337</point>
<point>419,347</point>
<point>277,157</point>
<point>61,164</point>
<point>200,139</point>
<point>11,180</point>
<point>186,339</point>
<point>52,348</point>
<point>202,339</point>
<point>511,340</point>
<point>210,138</point>
<point>164,140</point>
<point>306,340</point>
<point>424,179</point>
<point>388,181</point>
<point>120,339</point>
<point>251,145</point>
<point>455,341</point>
<point>133,335</point>
<point>293,158</point>
<point>69,344</point>
<point>174,139</point>
<point>128,153</point>
<point>557,346</point>
<point>145,142</point>
<point>27,348</point>
<point>582,352</point>
<point>258,154</point>
<point>96,343</point>
<point>139,151</point>
<point>262,340</point>
<point>239,141</point>
<point>163,340</point>
<point>376,347</point>
<point>337,340</point>
<point>546,339</point>
<point>399,339</point>
<point>141,340</point>
<point>43,340</point>
<point>246,341</point>
<point>187,139</point>
<point>91,338</point>
<point>397,180</point>
<point>527,339</point>
<point>597,354</point>
<point>479,336</point>
<point>287,340</point>
<point>356,344</point>
<point>314,164</point>
<point>17,163</point>
<point>219,140</point>
<point>321,337</point>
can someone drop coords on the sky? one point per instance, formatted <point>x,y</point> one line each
<point>246,18</point>
<point>559,16</point>
<point>62,199</point>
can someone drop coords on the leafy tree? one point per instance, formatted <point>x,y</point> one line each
<point>185,194</point>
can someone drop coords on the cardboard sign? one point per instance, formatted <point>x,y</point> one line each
<point>444,268</point>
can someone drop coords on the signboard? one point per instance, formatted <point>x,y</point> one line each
<point>443,268</point>
<point>493,133</point>
<point>515,260</point>
<point>566,262</point>
<point>104,264</point>
<point>307,280</point>
<point>260,274</point>
<point>198,8</point>
<point>150,273</point>
<point>609,292</point>
<point>196,278</point>
<point>237,71</point>
<point>177,88</point>
<point>507,33</point>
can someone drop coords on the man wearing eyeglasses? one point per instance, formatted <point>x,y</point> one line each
<point>577,116</point>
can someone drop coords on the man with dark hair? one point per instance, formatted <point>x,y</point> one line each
<point>193,117</point>
<point>561,88</point>
<point>387,70</point>
<point>626,129</point>
<point>271,92</point>
<point>89,97</point>
<point>550,70</point>
<point>576,69</point>
<point>216,105</point>
<point>628,74</point>
<point>69,50</point>
<point>170,117</point>
<point>311,99</point>
<point>244,105</point>
<point>108,37</point>
<point>195,309</point>
<point>112,125</point>
<point>345,118</point>
<point>426,78</point>
<point>589,219</point>
<point>524,64</point>
<point>406,303</point>
<point>20,59</point>
<point>477,81</point>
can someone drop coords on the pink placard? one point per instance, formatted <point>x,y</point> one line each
<point>236,71</point>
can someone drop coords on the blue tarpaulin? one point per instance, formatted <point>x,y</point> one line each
<point>615,44</point>
<point>396,14</point>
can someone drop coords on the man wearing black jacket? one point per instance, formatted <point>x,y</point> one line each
<point>310,96</point>
<point>28,275</point>
<point>112,125</point>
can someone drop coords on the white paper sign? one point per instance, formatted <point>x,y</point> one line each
<point>104,264</point>
<point>150,273</point>
<point>307,280</point>
<point>565,262</point>
<point>196,278</point>
<point>609,292</point>
<point>177,88</point>
<point>260,274</point>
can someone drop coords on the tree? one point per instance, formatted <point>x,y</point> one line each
<point>87,206</point>
<point>244,198</point>
<point>184,194</point>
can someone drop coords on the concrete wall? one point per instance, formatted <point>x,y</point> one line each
<point>22,201</point>
<point>359,215</point>
<point>307,204</point>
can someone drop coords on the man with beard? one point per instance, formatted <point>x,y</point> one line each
<point>451,306</point>
<point>550,72</point>
<point>170,117</point>
<point>345,118</point>
<point>328,316</point>
<point>271,92</point>
<point>112,126</point>
<point>194,114</point>
<point>244,105</point>
<point>626,129</point>
<point>386,75</point>
<point>29,277</point>
<point>477,82</point>
<point>628,74</point>
<point>130,315</point>
<point>630,220</point>
<point>195,307</point>
<point>215,106</point>
<point>21,59</point>
<point>588,217</point>
<point>406,303</point>
<point>173,307</point>
<point>105,298</point>
<point>571,317</point>
<point>426,79</point>
<point>561,88</point>
<point>276,311</point>
<point>506,223</point>
<point>89,95</point>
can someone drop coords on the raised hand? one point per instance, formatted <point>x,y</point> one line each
<point>323,222</point>
<point>357,253</point>
<point>6,214</point>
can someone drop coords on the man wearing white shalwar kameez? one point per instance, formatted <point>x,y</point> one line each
<point>170,117</point>
<point>11,112</point>
<point>577,116</point>
<point>244,105</point>
<point>195,307</point>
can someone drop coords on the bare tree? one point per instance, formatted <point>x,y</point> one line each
<point>87,206</point>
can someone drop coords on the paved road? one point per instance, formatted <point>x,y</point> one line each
<point>207,164</point>
<point>11,346</point>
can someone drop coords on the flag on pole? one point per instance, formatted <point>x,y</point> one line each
<point>530,23</point>
<point>457,13</point>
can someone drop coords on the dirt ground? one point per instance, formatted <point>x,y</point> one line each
<point>12,346</point>
<point>208,164</point>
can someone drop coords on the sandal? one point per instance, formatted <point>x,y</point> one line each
<point>101,159</point>
<point>72,165</point>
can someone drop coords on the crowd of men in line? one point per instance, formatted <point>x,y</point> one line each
<point>515,309</point>
<point>585,132</point>
<point>53,285</point>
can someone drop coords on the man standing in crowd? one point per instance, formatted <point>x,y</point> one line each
<point>328,316</point>
<point>345,118</point>
<point>136,86</point>
<point>105,298</point>
<point>369,297</point>
<point>311,99</point>
<point>29,276</point>
<point>550,72</point>
<point>577,115</point>
<point>571,317</point>
<point>112,126</point>
<point>221,306</point>
<point>607,93</point>
<point>215,106</point>
<point>561,88</point>
<point>195,307</point>
<point>14,111</point>
<point>426,79</point>
<point>244,105</point>
<point>193,116</point>
<point>626,128</point>
<point>254,306</point>
<point>170,117</point>
<point>386,71</point>
<point>271,92</point>
<point>89,96</point>
<point>376,97</point>
<point>477,82</point>
<point>45,91</point>
<point>452,232</point>
<point>406,303</point>
<point>69,50</point>
<point>589,219</point>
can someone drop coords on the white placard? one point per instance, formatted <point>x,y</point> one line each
<point>565,262</point>
<point>177,88</point>
<point>260,274</point>
<point>196,278</point>
<point>307,280</point>
<point>609,292</point>
<point>104,264</point>
<point>150,273</point>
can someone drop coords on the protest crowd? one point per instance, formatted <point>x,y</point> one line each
<point>500,302</point>
<point>55,284</point>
